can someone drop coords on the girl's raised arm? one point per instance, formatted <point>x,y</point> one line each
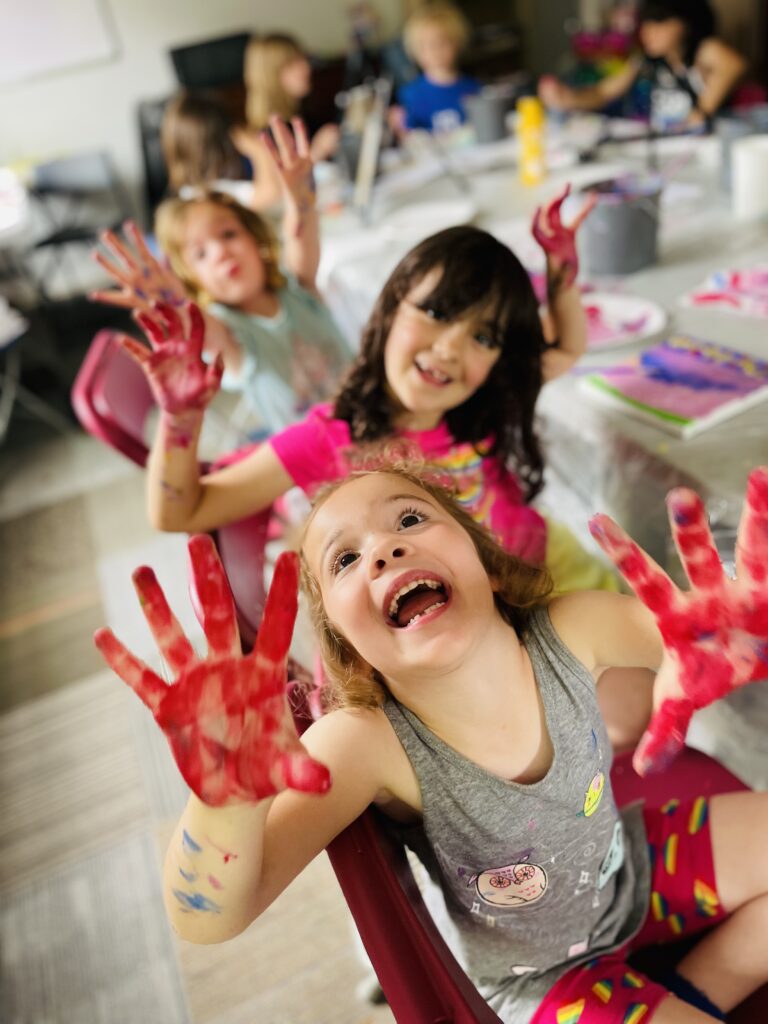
<point>178,498</point>
<point>565,307</point>
<point>301,226</point>
<point>227,720</point>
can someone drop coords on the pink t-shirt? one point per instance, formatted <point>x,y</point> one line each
<point>315,452</point>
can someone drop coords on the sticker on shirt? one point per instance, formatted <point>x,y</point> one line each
<point>593,795</point>
<point>614,858</point>
<point>513,885</point>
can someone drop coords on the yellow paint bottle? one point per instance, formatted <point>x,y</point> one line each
<point>530,135</point>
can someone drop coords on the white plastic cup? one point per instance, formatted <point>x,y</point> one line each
<point>749,177</point>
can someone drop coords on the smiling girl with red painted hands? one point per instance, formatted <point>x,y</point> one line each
<point>279,344</point>
<point>465,708</point>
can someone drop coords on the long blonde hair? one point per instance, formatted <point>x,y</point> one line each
<point>518,586</point>
<point>170,222</point>
<point>265,58</point>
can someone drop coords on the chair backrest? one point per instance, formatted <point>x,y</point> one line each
<point>81,173</point>
<point>112,399</point>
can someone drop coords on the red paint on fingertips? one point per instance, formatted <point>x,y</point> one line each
<point>274,637</point>
<point>214,595</point>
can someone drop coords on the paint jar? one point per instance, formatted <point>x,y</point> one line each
<point>620,235</point>
<point>728,130</point>
<point>487,113</point>
<point>530,134</point>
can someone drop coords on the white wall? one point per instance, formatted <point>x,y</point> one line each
<point>94,106</point>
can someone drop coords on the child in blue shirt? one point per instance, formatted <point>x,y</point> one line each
<point>434,37</point>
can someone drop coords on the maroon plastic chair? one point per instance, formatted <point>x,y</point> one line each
<point>112,401</point>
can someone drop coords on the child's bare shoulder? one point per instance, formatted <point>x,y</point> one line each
<point>582,617</point>
<point>360,740</point>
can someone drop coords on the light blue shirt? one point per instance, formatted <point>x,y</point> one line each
<point>291,361</point>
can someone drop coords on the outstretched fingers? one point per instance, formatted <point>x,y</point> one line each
<point>302,772</point>
<point>651,584</point>
<point>135,349</point>
<point>752,538</point>
<point>284,140</point>
<point>276,630</point>
<point>584,212</point>
<point>173,644</point>
<point>301,136</point>
<point>693,539</point>
<point>196,328</point>
<point>214,605</point>
<point>147,685</point>
<point>553,209</point>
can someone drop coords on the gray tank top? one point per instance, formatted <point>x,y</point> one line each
<point>527,880</point>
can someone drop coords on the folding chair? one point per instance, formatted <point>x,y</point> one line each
<point>78,196</point>
<point>112,401</point>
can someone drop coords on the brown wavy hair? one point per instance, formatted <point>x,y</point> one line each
<point>196,141</point>
<point>170,222</point>
<point>478,271</point>
<point>519,586</point>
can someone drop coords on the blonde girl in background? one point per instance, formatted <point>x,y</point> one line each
<point>264,318</point>
<point>278,76</point>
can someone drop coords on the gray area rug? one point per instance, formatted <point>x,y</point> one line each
<point>91,945</point>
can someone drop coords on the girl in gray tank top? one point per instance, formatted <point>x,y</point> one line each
<point>467,711</point>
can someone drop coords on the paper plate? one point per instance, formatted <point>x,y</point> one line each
<point>614,319</point>
<point>422,219</point>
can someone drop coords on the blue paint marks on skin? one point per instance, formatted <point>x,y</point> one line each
<point>141,293</point>
<point>189,843</point>
<point>681,517</point>
<point>196,901</point>
<point>190,876</point>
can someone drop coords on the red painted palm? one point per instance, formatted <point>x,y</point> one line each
<point>226,716</point>
<point>716,633</point>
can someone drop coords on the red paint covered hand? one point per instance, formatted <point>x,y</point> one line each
<point>715,634</point>
<point>226,717</point>
<point>180,379</point>
<point>559,241</point>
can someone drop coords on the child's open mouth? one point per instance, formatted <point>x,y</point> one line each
<point>414,596</point>
<point>432,375</point>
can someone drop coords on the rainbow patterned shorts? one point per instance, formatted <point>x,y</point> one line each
<point>683,901</point>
